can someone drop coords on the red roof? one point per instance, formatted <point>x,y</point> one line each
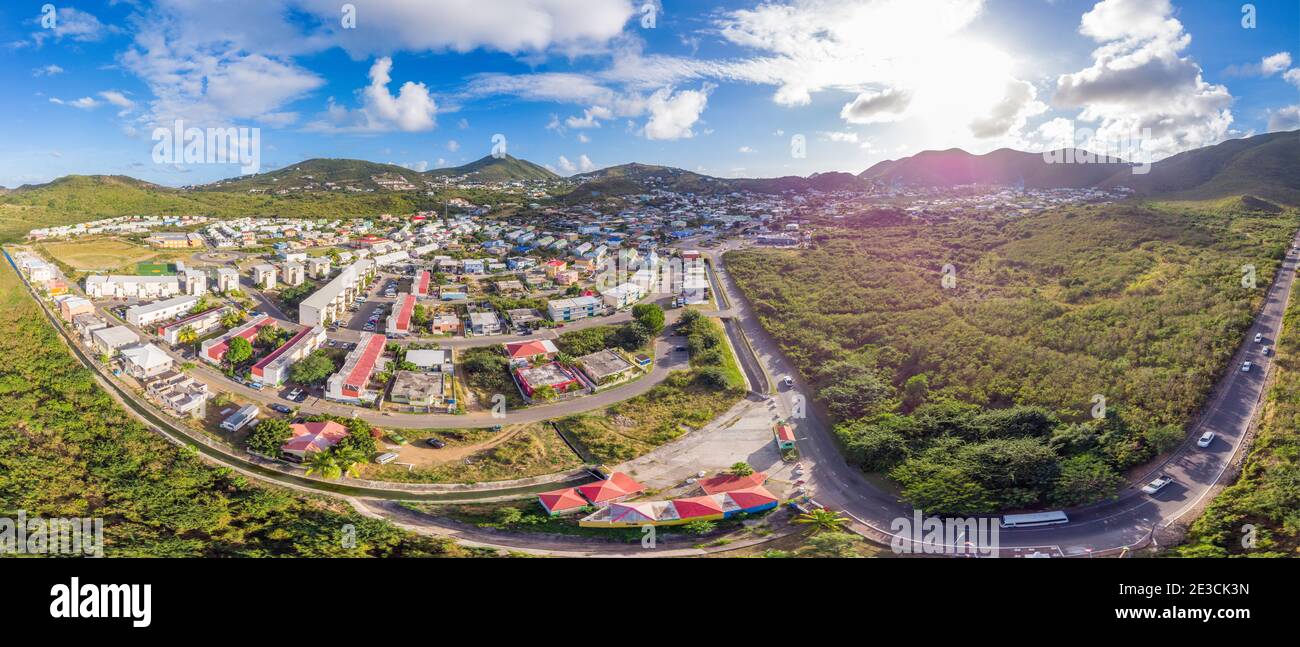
<point>404,314</point>
<point>315,436</point>
<point>697,506</point>
<point>218,351</point>
<point>616,486</point>
<point>561,500</point>
<point>752,497</point>
<point>360,373</point>
<point>422,283</point>
<point>784,432</point>
<point>728,482</point>
<point>531,348</point>
<point>259,367</point>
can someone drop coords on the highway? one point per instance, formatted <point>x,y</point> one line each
<point>1109,528</point>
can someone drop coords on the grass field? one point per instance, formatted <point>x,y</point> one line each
<point>155,269</point>
<point>105,254</point>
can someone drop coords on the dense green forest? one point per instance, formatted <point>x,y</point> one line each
<point>68,450</point>
<point>979,396</point>
<point>1259,515</point>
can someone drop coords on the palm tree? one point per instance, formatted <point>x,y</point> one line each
<point>349,460</point>
<point>325,464</point>
<point>232,318</point>
<point>822,520</point>
<point>186,336</point>
<point>741,469</point>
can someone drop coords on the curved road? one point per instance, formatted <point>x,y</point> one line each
<point>1128,522</point>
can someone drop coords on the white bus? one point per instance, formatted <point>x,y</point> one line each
<point>1034,519</point>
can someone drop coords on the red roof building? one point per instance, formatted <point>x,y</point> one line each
<point>729,482</point>
<point>522,352</point>
<point>313,437</point>
<point>421,285</point>
<point>213,350</point>
<point>349,383</point>
<point>617,486</point>
<point>752,498</point>
<point>561,501</point>
<point>399,323</point>
<point>697,506</point>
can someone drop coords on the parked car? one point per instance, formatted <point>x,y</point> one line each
<point>436,442</point>
<point>1157,484</point>
<point>787,381</point>
<point>281,409</point>
<point>1268,350</point>
<point>386,458</point>
<point>1259,337</point>
<point>293,395</point>
<point>1245,367</point>
<point>1205,439</point>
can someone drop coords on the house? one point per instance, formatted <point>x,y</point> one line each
<point>484,323</point>
<point>445,323</point>
<point>680,511</point>
<point>201,323</point>
<point>420,286</point>
<point>274,368</point>
<point>214,350</point>
<point>565,501</point>
<point>293,273</point>
<point>351,383</point>
<point>510,287</point>
<point>240,419</point>
<point>566,277</point>
<point>519,317</point>
<point>564,310</point>
<point>85,324</point>
<point>617,487</point>
<point>145,315</point>
<point>227,279</point>
<point>420,389</point>
<point>123,286</point>
<point>622,295</point>
<point>71,307</point>
<point>523,353</point>
<point>553,266</point>
<point>144,361</point>
<point>439,359</point>
<point>784,436</point>
<point>532,378</point>
<point>399,322</point>
<point>108,340</point>
<point>264,276</point>
<point>312,437</point>
<point>178,393</point>
<point>473,266</point>
<point>604,366</point>
<point>729,482</point>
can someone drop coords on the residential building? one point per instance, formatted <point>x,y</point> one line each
<point>274,368</point>
<point>563,310</point>
<point>71,307</point>
<point>293,273</point>
<point>264,276</point>
<point>484,323</point>
<point>118,286</point>
<point>331,301</point>
<point>523,317</point>
<point>318,267</point>
<point>446,324</point>
<point>439,359</point>
<point>311,437</point>
<point>420,389</point>
<point>420,286</point>
<point>143,361</point>
<point>85,324</point>
<point>145,315</point>
<point>214,350</point>
<point>351,383</point>
<point>681,511</point>
<point>194,281</point>
<point>108,340</point>
<point>174,240</point>
<point>532,378</point>
<point>523,353</point>
<point>201,323</point>
<point>178,393</point>
<point>604,366</point>
<point>240,419</point>
<point>399,322</point>
<point>227,279</point>
<point>622,295</point>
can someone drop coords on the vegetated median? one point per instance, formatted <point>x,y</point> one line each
<point>981,394</point>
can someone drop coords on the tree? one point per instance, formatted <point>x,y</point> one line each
<point>324,464</point>
<point>349,460</point>
<point>700,527</point>
<point>689,317</point>
<point>713,377</point>
<point>1085,479</point>
<point>270,336</point>
<point>649,315</point>
<point>915,390</point>
<point>821,520</point>
<point>632,335</point>
<point>545,393</point>
<point>238,351</point>
<point>232,318</point>
<point>268,436</point>
<point>312,369</point>
<point>186,336</point>
<point>359,437</point>
<point>740,469</point>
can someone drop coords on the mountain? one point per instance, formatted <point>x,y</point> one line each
<point>493,169</point>
<point>626,179</point>
<point>1003,166</point>
<point>1263,166</point>
<point>313,174</point>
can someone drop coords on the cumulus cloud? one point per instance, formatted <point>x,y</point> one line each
<point>1293,76</point>
<point>412,109</point>
<point>47,70</point>
<point>876,107</point>
<point>1139,80</point>
<point>744,150</point>
<point>1018,104</point>
<point>567,166</point>
<point>590,117</point>
<point>585,164</point>
<point>1287,118</point>
<point>672,114</point>
<point>71,24</point>
<point>840,136</point>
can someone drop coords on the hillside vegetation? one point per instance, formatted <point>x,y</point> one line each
<point>980,397</point>
<point>68,450</point>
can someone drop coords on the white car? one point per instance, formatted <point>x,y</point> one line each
<point>1205,439</point>
<point>1259,337</point>
<point>1158,484</point>
<point>787,381</point>
<point>1245,367</point>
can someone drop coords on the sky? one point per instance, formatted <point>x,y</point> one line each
<point>732,89</point>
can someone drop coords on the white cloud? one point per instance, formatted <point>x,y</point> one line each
<point>582,137</point>
<point>84,103</point>
<point>47,70</point>
<point>463,123</point>
<point>590,117</point>
<point>585,164</point>
<point>118,99</point>
<point>840,136</point>
<point>1278,62</point>
<point>72,24</point>
<point>453,145</point>
<point>1293,76</point>
<point>1287,118</point>
<point>1018,104</point>
<point>1139,81</point>
<point>876,107</point>
<point>419,167</point>
<point>673,114</point>
<point>567,166</point>
<point>412,109</point>
<point>744,150</point>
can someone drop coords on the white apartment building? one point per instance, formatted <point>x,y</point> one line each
<point>115,286</point>
<point>331,301</point>
<point>264,276</point>
<point>144,315</point>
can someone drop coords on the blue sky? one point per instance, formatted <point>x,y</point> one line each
<point>722,88</point>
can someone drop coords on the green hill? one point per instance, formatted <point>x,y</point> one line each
<point>319,175</point>
<point>1003,166</point>
<point>492,169</point>
<point>1264,166</point>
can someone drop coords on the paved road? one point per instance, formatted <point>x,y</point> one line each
<point>1126,522</point>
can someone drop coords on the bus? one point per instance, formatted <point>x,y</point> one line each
<point>1034,519</point>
